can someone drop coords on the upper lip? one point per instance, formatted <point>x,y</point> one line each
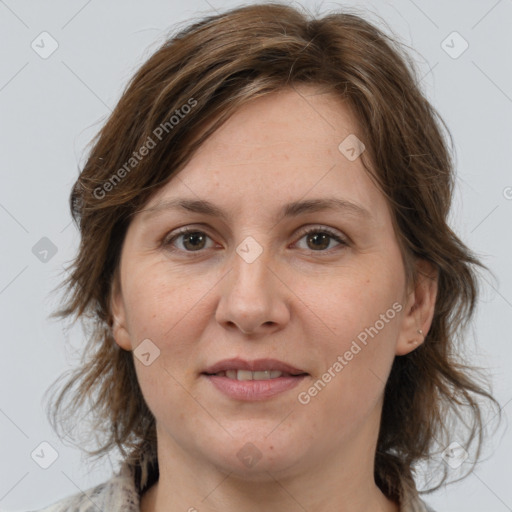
<point>257,365</point>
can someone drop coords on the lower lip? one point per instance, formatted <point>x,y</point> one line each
<point>254,389</point>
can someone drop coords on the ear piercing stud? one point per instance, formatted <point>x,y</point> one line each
<point>415,342</point>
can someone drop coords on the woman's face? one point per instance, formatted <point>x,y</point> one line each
<point>248,284</point>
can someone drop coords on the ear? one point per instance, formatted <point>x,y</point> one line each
<point>419,308</point>
<point>117,307</point>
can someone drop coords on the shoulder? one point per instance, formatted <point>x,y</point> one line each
<point>83,501</point>
<point>115,495</point>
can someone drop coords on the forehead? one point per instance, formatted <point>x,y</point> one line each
<point>303,121</point>
<point>277,149</point>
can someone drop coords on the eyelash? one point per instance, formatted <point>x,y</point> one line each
<point>167,242</point>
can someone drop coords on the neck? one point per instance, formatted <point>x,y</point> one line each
<point>342,482</point>
<point>230,495</point>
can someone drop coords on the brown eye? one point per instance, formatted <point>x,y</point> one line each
<point>194,241</point>
<point>190,240</point>
<point>319,240</point>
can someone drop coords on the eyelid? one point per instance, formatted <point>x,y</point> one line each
<point>339,237</point>
<point>173,235</point>
<point>324,229</point>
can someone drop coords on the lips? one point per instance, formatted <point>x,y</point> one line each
<point>261,379</point>
<point>228,366</point>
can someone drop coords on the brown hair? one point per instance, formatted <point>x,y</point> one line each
<point>203,74</point>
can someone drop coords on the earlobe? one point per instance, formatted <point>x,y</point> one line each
<point>419,310</point>
<point>119,326</point>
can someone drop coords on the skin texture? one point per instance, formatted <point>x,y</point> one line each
<point>300,301</point>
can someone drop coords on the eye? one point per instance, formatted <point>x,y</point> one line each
<point>192,240</point>
<point>189,240</point>
<point>320,238</point>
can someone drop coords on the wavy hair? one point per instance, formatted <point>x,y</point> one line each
<point>192,84</point>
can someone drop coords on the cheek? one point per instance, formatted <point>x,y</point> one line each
<point>354,300</point>
<point>356,323</point>
<point>160,300</point>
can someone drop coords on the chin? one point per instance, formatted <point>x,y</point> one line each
<point>258,459</point>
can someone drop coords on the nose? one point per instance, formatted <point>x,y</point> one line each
<point>253,298</point>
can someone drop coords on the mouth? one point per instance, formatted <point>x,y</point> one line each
<point>253,380</point>
<point>248,375</point>
<point>259,369</point>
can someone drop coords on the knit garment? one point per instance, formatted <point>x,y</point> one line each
<point>123,491</point>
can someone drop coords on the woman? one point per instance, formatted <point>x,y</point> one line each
<point>272,290</point>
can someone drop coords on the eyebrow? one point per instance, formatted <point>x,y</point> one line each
<point>289,210</point>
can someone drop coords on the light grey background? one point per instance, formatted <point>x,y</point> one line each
<point>50,109</point>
